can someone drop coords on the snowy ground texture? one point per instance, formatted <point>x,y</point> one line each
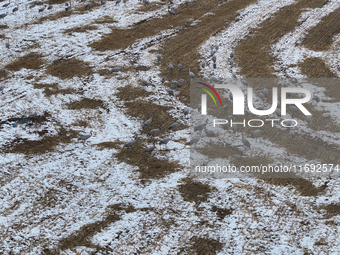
<point>60,196</point>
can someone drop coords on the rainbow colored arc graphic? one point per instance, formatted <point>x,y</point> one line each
<point>208,92</point>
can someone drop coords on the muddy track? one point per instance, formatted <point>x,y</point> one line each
<point>320,37</point>
<point>253,56</point>
<point>183,48</point>
<point>253,52</point>
<point>317,68</point>
<point>122,38</point>
<point>303,146</point>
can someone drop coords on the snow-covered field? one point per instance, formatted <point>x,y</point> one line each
<point>60,196</point>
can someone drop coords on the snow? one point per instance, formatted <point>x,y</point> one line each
<point>84,181</point>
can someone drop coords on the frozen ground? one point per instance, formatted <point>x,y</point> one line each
<point>97,198</point>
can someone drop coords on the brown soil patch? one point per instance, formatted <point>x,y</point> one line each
<point>80,29</point>
<point>83,9</point>
<point>66,69</point>
<point>104,20</point>
<point>332,209</point>
<point>30,61</point>
<point>55,16</point>
<point>82,237</point>
<point>81,123</point>
<point>50,198</point>
<point>142,68</point>
<point>320,37</point>
<point>36,119</point>
<point>104,72</point>
<point>303,146</point>
<point>321,241</point>
<point>111,145</point>
<point>142,110</point>
<point>202,246</point>
<point>57,1</point>
<point>86,103</point>
<point>149,166</point>
<point>303,186</point>
<point>44,85</point>
<point>49,92</point>
<point>149,7</point>
<point>316,68</point>
<point>219,151</point>
<point>46,144</point>
<point>53,89</point>
<point>129,93</point>
<point>193,191</point>
<point>221,212</point>
<point>3,74</point>
<point>41,133</point>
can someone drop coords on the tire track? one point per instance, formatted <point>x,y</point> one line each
<point>255,61</point>
<point>122,38</point>
<point>317,68</point>
<point>320,37</point>
<point>252,53</point>
<point>295,59</point>
<point>184,47</point>
<point>248,20</point>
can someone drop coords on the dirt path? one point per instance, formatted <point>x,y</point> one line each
<point>253,52</point>
<point>183,48</point>
<point>122,38</point>
<point>320,37</point>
